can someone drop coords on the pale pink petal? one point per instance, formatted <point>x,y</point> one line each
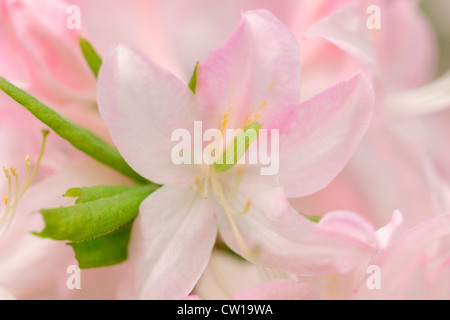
<point>45,56</point>
<point>172,240</point>
<point>429,99</point>
<point>150,17</point>
<point>346,28</point>
<point>386,233</point>
<point>441,281</point>
<point>404,265</point>
<point>22,251</point>
<point>142,105</point>
<point>406,39</point>
<point>5,295</point>
<point>254,73</point>
<point>226,276</point>
<point>279,290</point>
<point>286,240</point>
<point>388,165</point>
<point>323,135</point>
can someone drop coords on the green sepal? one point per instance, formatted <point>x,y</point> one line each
<point>193,83</point>
<point>104,251</point>
<point>88,220</point>
<point>79,137</point>
<point>238,148</point>
<point>92,57</point>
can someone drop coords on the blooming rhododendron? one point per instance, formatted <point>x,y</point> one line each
<point>207,149</point>
<point>254,75</point>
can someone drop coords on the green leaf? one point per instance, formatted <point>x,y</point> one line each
<point>238,148</point>
<point>81,138</point>
<point>95,193</point>
<point>193,83</point>
<point>104,251</point>
<point>88,220</point>
<point>92,58</point>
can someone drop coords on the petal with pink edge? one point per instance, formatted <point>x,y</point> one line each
<point>142,105</point>
<point>346,28</point>
<point>323,135</point>
<point>405,39</point>
<point>256,71</point>
<point>282,238</point>
<point>409,260</point>
<point>172,241</point>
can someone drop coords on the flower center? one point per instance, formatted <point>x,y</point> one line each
<point>211,179</point>
<point>13,197</point>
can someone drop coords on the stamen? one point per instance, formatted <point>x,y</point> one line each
<point>245,210</point>
<point>6,172</point>
<point>217,188</point>
<point>8,213</point>
<point>8,177</point>
<point>237,182</point>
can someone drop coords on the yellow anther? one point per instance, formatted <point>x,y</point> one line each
<point>7,216</point>
<point>263,105</point>
<point>6,172</point>
<point>272,84</point>
<point>247,206</point>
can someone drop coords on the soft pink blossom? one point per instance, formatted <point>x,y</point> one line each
<point>41,54</point>
<point>400,163</point>
<point>32,267</point>
<point>413,265</point>
<point>140,101</point>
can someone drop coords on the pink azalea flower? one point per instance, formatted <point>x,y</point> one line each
<point>400,163</point>
<point>39,52</point>
<point>175,28</point>
<point>415,265</point>
<point>41,55</point>
<point>257,66</point>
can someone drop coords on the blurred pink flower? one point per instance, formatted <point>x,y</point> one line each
<point>140,101</point>
<point>414,265</point>
<point>32,267</point>
<point>41,54</point>
<point>378,179</point>
<point>400,163</point>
